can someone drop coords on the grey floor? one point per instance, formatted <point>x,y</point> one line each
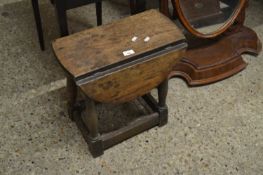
<point>216,129</point>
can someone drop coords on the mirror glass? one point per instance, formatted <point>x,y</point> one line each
<point>208,16</point>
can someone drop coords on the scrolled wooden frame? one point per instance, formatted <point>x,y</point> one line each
<point>214,34</point>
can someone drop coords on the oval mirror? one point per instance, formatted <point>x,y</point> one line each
<point>208,18</point>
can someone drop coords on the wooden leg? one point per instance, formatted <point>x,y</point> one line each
<point>132,6</point>
<point>164,7</point>
<point>62,17</point>
<point>37,16</point>
<point>137,6</point>
<point>99,13</point>
<point>72,96</point>
<point>90,119</point>
<point>162,107</point>
<point>140,5</point>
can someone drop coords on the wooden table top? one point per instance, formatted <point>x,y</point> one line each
<point>99,47</point>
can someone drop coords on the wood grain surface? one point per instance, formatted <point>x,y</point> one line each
<point>219,60</point>
<point>95,48</point>
<point>133,81</point>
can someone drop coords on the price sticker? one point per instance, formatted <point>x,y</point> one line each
<point>128,52</point>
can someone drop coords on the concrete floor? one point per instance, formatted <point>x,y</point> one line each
<point>216,129</point>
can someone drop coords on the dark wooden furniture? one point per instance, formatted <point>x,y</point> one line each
<point>164,7</point>
<point>137,6</point>
<point>216,55</point>
<point>98,72</point>
<point>38,22</point>
<point>61,8</point>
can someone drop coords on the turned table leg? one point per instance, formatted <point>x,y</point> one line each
<point>90,119</point>
<point>37,16</point>
<point>72,96</point>
<point>61,10</point>
<point>162,107</point>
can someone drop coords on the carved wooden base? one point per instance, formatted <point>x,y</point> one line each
<point>213,62</point>
<point>85,115</point>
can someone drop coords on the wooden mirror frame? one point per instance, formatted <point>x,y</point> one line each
<point>229,23</point>
<point>208,60</point>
